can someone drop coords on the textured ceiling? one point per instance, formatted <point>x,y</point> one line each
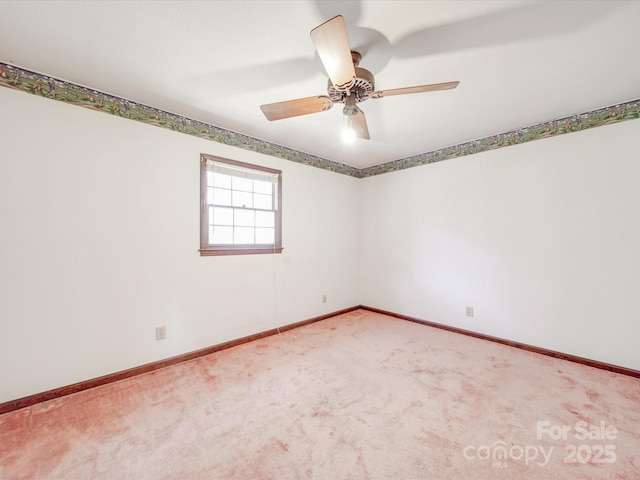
<point>519,63</point>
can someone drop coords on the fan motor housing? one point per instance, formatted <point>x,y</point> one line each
<point>362,88</point>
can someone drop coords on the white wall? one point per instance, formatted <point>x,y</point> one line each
<point>542,239</point>
<point>99,235</point>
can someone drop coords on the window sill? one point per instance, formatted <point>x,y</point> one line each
<point>238,251</point>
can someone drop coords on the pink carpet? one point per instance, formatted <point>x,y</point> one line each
<point>357,396</point>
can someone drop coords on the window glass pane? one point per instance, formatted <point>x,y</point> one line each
<point>210,196</point>
<point>264,219</point>
<point>243,235</point>
<point>265,235</point>
<point>209,179</point>
<point>262,187</point>
<point>221,180</point>
<point>242,199</point>
<point>244,218</point>
<point>221,196</point>
<point>242,184</point>
<point>262,201</point>
<point>221,235</point>
<point>222,216</point>
<point>210,215</point>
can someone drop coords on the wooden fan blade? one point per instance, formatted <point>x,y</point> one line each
<point>418,89</point>
<point>360,125</point>
<point>295,108</point>
<point>332,44</point>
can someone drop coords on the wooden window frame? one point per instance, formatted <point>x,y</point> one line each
<point>251,249</point>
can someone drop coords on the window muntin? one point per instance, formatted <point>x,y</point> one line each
<point>240,208</point>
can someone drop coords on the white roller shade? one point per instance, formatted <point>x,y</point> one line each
<point>238,171</point>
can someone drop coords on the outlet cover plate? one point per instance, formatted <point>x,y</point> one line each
<point>161,333</point>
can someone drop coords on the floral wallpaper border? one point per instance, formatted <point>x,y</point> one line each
<point>53,88</point>
<point>49,87</point>
<point>573,123</point>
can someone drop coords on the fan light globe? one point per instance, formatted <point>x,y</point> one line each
<point>348,131</point>
<point>348,135</point>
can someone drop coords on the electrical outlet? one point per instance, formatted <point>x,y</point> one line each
<point>324,298</point>
<point>161,333</point>
<point>469,311</point>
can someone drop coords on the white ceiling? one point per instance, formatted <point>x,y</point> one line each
<point>519,63</point>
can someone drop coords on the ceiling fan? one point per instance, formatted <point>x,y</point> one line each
<point>348,83</point>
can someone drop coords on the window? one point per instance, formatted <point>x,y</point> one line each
<point>240,208</point>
